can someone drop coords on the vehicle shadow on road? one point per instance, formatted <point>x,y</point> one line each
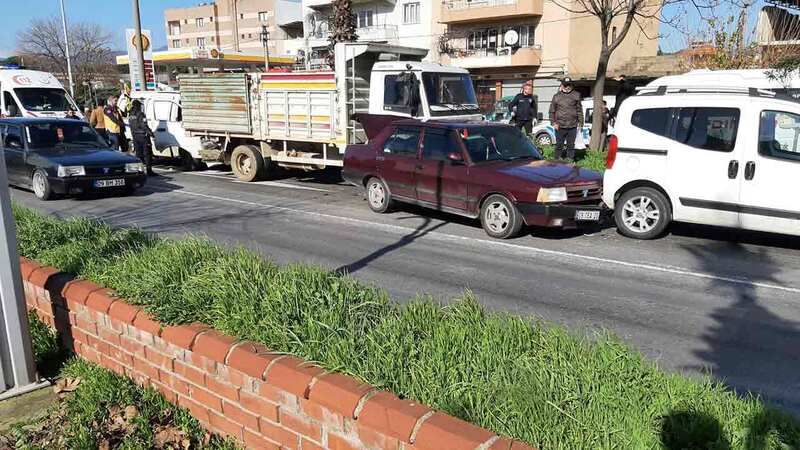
<point>734,235</point>
<point>749,345</point>
<point>421,230</point>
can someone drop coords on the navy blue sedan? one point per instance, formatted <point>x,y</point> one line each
<point>56,157</point>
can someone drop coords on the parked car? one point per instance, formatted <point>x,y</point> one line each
<point>717,156</point>
<point>65,156</point>
<point>477,170</point>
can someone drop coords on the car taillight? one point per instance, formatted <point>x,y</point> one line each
<point>612,151</point>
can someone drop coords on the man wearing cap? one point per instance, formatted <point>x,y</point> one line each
<point>566,114</point>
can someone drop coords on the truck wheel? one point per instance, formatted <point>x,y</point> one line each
<point>247,163</point>
<point>500,218</point>
<point>378,196</point>
<point>41,186</point>
<point>544,139</point>
<point>190,164</point>
<point>642,213</point>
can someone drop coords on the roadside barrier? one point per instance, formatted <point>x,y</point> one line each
<point>240,389</point>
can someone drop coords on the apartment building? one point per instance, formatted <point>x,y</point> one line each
<point>413,23</point>
<point>237,25</point>
<point>505,43</point>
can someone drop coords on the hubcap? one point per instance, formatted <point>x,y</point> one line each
<point>497,217</point>
<point>543,140</point>
<point>244,163</point>
<point>640,214</point>
<point>38,184</point>
<point>376,194</point>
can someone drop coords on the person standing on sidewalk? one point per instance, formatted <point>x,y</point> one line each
<point>525,108</point>
<point>142,135</point>
<point>566,114</point>
<point>115,127</point>
<point>97,120</point>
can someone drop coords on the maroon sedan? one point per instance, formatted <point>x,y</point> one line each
<point>491,171</point>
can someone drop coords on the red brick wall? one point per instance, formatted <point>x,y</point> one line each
<point>238,388</point>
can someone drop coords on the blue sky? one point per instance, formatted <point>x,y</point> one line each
<point>115,15</point>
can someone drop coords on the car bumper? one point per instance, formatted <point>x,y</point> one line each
<point>561,215</point>
<point>80,185</point>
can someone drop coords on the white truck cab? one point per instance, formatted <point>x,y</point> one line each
<point>164,116</point>
<point>30,93</point>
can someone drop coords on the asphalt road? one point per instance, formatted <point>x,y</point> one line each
<point>698,300</point>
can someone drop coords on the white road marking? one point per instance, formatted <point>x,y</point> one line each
<point>283,185</point>
<point>517,248</point>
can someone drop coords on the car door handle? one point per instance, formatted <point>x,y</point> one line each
<point>749,170</point>
<point>733,169</point>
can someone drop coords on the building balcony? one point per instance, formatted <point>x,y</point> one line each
<point>377,33</point>
<point>477,59</point>
<point>470,11</point>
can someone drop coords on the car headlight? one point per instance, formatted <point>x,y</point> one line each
<point>134,167</point>
<point>551,195</point>
<point>71,171</point>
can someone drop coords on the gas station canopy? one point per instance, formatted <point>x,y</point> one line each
<point>213,58</point>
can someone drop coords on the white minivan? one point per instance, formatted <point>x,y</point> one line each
<point>163,112</point>
<point>725,157</point>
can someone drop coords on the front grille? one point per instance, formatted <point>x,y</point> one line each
<point>577,194</point>
<point>103,171</point>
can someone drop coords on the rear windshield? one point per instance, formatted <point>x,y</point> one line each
<point>58,135</point>
<point>498,144</point>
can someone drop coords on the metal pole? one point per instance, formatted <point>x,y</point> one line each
<point>66,46</point>
<point>17,367</point>
<point>137,21</point>
<point>265,41</point>
<point>235,13</point>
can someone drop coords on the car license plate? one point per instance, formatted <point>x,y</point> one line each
<point>110,183</point>
<point>587,215</point>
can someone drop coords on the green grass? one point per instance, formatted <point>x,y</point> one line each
<point>86,416</point>
<point>47,349</point>
<point>516,376</point>
<point>588,159</point>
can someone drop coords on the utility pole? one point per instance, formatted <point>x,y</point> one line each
<point>17,368</point>
<point>137,22</point>
<point>265,42</point>
<point>235,12</point>
<point>66,46</point>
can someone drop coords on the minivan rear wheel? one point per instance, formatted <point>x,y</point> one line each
<point>642,213</point>
<point>500,218</point>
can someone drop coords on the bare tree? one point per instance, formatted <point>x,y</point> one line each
<point>342,27</point>
<point>41,45</point>
<point>628,13</point>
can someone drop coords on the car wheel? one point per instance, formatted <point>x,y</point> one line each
<point>642,213</point>
<point>543,139</point>
<point>189,163</point>
<point>378,196</point>
<point>500,218</point>
<point>41,186</point>
<point>247,163</point>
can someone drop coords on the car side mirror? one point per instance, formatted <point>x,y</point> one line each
<point>455,158</point>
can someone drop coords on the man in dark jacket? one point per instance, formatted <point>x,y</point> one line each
<point>141,134</point>
<point>624,91</point>
<point>566,114</point>
<point>525,108</point>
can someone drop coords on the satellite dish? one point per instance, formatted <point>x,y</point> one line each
<point>511,38</point>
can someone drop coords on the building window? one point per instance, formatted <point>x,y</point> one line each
<point>493,39</point>
<point>411,13</point>
<point>211,19</point>
<point>366,18</point>
<point>200,22</point>
<point>250,36</point>
<point>186,21</point>
<point>175,27</point>
<point>187,41</point>
<point>212,38</point>
<point>263,16</point>
<point>201,42</point>
<point>176,43</point>
<point>613,34</point>
<point>242,36</point>
<point>241,16</point>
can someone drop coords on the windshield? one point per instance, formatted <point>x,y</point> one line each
<point>60,135</point>
<point>498,144</point>
<point>43,99</point>
<point>450,94</point>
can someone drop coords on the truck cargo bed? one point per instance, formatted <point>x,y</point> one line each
<point>218,103</point>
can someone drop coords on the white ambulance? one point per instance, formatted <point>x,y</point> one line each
<point>30,93</point>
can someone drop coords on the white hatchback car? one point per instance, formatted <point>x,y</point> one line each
<point>725,157</point>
